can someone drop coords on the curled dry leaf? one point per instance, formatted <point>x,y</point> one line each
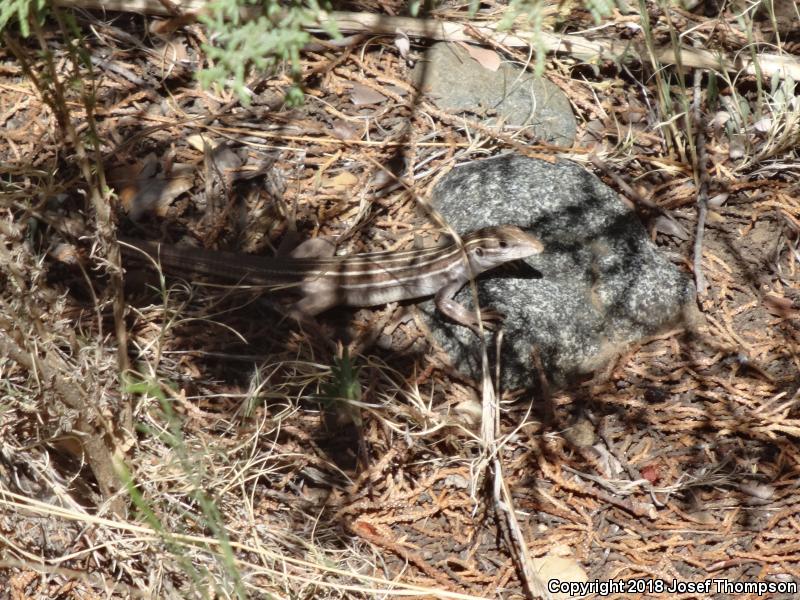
<point>342,130</point>
<point>164,28</point>
<point>757,490</point>
<point>469,411</point>
<point>456,481</point>
<point>581,434</point>
<point>402,44</point>
<point>153,195</point>
<point>225,158</point>
<point>718,200</point>
<point>720,118</point>
<point>736,150</point>
<point>172,55</point>
<point>703,517</point>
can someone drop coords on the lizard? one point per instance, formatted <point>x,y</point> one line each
<point>359,280</point>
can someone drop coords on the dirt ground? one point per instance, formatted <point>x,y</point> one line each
<point>677,463</point>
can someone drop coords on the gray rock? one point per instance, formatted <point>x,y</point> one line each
<point>599,284</point>
<point>458,83</point>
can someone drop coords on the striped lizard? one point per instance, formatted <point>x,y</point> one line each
<point>368,279</point>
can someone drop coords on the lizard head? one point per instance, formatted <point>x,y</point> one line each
<point>492,246</point>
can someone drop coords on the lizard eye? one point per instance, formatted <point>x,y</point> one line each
<point>503,244</point>
<point>479,252</point>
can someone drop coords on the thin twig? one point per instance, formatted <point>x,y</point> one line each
<point>501,495</point>
<point>701,180</point>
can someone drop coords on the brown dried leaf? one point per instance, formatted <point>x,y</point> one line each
<point>141,191</point>
<point>155,195</point>
<point>173,54</point>
<point>670,226</point>
<point>703,517</point>
<point>342,181</point>
<point>486,57</point>
<point>780,306</point>
<point>736,149</point>
<point>718,200</point>
<point>343,130</point>
<point>759,491</point>
<point>651,473</point>
<point>225,158</point>
<point>200,141</point>
<point>469,411</point>
<point>166,27</point>
<point>564,568</point>
<point>720,118</point>
<point>763,124</point>
<point>361,95</point>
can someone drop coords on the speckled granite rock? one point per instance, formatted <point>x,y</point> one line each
<point>599,284</point>
<point>459,84</point>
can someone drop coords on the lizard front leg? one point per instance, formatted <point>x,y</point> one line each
<point>459,313</point>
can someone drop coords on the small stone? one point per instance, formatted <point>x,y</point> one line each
<point>510,95</point>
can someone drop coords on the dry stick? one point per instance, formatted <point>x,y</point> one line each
<point>573,45</point>
<point>701,180</point>
<point>503,500</point>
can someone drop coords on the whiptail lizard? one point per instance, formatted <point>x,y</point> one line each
<point>360,279</point>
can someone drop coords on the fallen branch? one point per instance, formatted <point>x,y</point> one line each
<point>576,46</point>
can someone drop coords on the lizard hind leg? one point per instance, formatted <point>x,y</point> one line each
<point>304,312</point>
